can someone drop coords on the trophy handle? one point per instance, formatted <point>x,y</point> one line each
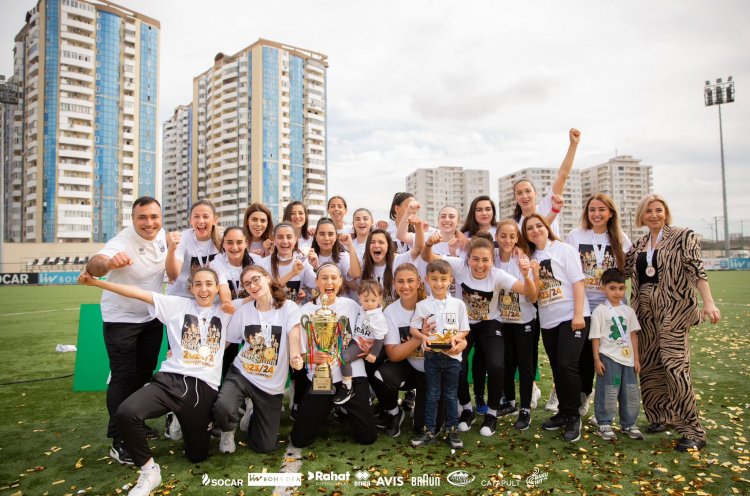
<point>304,321</point>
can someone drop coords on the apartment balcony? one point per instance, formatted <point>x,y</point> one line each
<point>77,75</point>
<point>75,115</point>
<point>73,234</point>
<point>86,40</point>
<point>84,154</point>
<point>69,193</point>
<point>67,140</point>
<point>83,26</point>
<point>127,159</point>
<point>315,76</point>
<point>62,179</point>
<point>127,172</point>
<point>128,50</point>
<point>127,185</point>
<point>64,166</point>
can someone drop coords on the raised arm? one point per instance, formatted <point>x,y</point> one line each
<point>427,254</point>
<point>527,287</point>
<point>173,265</point>
<point>402,230</point>
<point>418,236</point>
<point>355,268</point>
<point>100,265</point>
<point>121,289</point>
<point>562,174</point>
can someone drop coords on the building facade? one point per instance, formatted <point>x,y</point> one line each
<point>447,186</point>
<point>11,160</point>
<point>88,72</point>
<point>625,180</point>
<point>258,133</point>
<point>542,179</point>
<point>177,185</point>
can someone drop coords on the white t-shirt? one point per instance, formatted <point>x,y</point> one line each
<point>587,242</point>
<point>371,324</point>
<point>343,307</point>
<point>449,315</point>
<point>304,244</point>
<point>196,337</point>
<point>442,248</point>
<point>347,229</point>
<point>305,279</point>
<point>228,274</point>
<point>402,247</point>
<point>264,357</point>
<point>544,209</point>
<point>359,248</point>
<point>399,331</point>
<point>193,254</point>
<point>611,341</point>
<point>478,294</point>
<point>147,272</point>
<point>514,308</point>
<point>378,272</point>
<point>560,268</point>
<point>492,230</point>
<point>343,263</point>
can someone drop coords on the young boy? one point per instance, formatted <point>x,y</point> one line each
<point>441,321</point>
<point>371,324</point>
<point>614,340</point>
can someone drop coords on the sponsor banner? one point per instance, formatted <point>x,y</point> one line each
<point>256,479</point>
<point>726,263</point>
<point>51,278</point>
<point>18,278</point>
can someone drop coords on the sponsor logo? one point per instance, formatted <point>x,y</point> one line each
<point>21,278</point>
<point>362,478</point>
<point>460,478</point>
<point>425,480</point>
<point>536,478</point>
<point>208,481</point>
<point>514,480</point>
<point>390,481</point>
<point>272,479</point>
<point>328,477</point>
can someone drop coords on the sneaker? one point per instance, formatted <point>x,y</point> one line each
<point>118,453</point>
<point>585,402</point>
<point>506,409</point>
<point>656,428</point>
<point>481,406</point>
<point>151,433</point>
<point>606,433</point>
<point>593,421</point>
<point>552,402</point>
<point>393,424</point>
<point>554,422</point>
<point>245,420</point>
<point>523,421</point>
<point>343,394</point>
<point>453,439</point>
<point>689,444</point>
<point>427,437</point>
<point>489,424</point>
<point>572,429</point>
<point>381,420</point>
<point>148,481</point>
<point>293,411</point>
<point>633,432</point>
<point>409,398</point>
<point>173,430</point>
<point>226,445</point>
<point>466,419</point>
<point>536,395</point>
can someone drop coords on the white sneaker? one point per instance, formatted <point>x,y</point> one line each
<point>536,395</point>
<point>585,403</point>
<point>148,481</point>
<point>606,433</point>
<point>593,421</point>
<point>245,420</point>
<point>226,444</point>
<point>552,402</point>
<point>173,430</point>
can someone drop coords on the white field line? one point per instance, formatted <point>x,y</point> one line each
<point>39,311</point>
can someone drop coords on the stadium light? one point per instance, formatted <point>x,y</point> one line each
<point>717,94</point>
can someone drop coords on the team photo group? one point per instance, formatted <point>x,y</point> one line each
<point>375,321</point>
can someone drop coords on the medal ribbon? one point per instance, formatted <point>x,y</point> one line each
<point>204,323</point>
<point>616,317</point>
<point>650,249</point>
<point>599,252</point>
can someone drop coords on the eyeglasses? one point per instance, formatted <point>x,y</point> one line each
<point>254,281</point>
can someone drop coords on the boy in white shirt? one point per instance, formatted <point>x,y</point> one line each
<point>442,322</point>
<point>614,340</point>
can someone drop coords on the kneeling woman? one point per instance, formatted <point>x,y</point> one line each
<point>187,382</point>
<point>269,331</point>
<point>316,407</point>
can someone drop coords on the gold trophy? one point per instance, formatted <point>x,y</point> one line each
<point>324,334</point>
<point>440,339</point>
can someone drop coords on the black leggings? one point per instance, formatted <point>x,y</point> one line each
<point>586,366</point>
<point>564,347</point>
<point>519,350</point>
<point>488,338</point>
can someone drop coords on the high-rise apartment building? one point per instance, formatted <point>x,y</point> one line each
<point>447,186</point>
<point>258,132</point>
<point>11,160</point>
<point>542,179</point>
<point>89,79</point>
<point>177,186</point>
<point>625,180</point>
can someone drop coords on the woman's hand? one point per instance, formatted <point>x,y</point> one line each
<point>296,362</point>
<point>435,238</point>
<point>173,239</point>
<point>346,240</point>
<point>711,312</point>
<point>267,246</point>
<point>228,307</point>
<point>321,358</point>
<point>577,323</point>
<point>458,345</point>
<point>312,257</point>
<point>85,278</point>
<point>574,135</point>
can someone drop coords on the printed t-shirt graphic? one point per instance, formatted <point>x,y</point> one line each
<point>477,302</point>
<point>260,351</point>
<point>551,286</point>
<point>195,351</point>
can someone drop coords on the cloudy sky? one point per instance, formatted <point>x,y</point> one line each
<point>493,85</point>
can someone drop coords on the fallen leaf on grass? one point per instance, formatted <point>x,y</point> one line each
<point>58,482</point>
<point>79,463</point>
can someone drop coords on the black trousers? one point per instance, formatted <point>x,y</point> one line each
<point>519,354</point>
<point>564,347</point>
<point>133,350</point>
<point>189,398</point>
<point>586,366</point>
<point>487,339</point>
<point>315,408</point>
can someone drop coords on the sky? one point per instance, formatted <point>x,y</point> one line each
<point>492,85</point>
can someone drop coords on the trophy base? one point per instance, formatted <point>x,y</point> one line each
<point>441,346</point>
<point>322,385</point>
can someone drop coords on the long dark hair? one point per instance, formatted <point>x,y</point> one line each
<point>550,235</point>
<point>470,224</point>
<point>368,272</point>
<point>614,231</point>
<point>214,229</point>
<point>278,292</point>
<point>517,213</point>
<point>275,256</point>
<point>337,247</point>
<point>398,199</point>
<point>258,207</point>
<point>246,258</point>
<point>288,216</point>
<point>410,267</point>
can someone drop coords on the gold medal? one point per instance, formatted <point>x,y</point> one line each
<point>204,351</point>
<point>650,271</point>
<point>507,300</point>
<point>626,352</point>
<point>598,272</point>
<point>269,353</point>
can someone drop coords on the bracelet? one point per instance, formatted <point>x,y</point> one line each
<point>556,210</point>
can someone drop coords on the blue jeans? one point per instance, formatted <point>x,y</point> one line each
<point>619,384</point>
<point>441,378</point>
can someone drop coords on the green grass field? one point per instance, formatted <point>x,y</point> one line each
<point>52,440</point>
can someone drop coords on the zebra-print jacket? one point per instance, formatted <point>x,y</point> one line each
<point>678,259</point>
